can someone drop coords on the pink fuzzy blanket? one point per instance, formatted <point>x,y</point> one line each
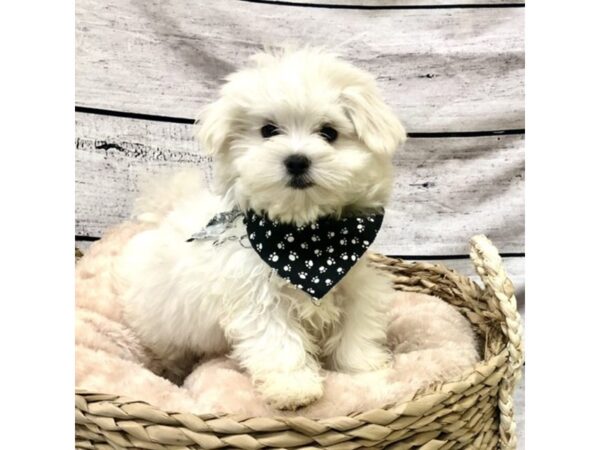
<point>430,339</point>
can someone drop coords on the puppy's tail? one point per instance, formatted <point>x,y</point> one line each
<point>159,195</point>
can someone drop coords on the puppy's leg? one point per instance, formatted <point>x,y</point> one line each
<point>360,344</point>
<point>270,343</point>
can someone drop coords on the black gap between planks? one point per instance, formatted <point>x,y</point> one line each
<point>406,257</point>
<point>375,7</point>
<point>187,121</point>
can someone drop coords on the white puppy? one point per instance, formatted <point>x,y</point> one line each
<point>297,136</point>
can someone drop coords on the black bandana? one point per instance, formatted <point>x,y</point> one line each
<point>316,256</point>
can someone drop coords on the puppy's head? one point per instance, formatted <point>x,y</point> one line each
<point>300,135</point>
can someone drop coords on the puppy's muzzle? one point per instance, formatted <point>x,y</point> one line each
<point>297,166</point>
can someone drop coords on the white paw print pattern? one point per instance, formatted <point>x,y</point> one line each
<point>312,258</point>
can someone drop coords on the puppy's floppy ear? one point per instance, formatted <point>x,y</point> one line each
<point>374,122</point>
<point>215,123</point>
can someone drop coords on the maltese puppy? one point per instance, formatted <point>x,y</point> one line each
<point>269,263</point>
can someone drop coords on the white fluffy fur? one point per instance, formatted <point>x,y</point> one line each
<point>187,299</point>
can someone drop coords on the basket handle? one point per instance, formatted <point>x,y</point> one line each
<point>501,295</point>
<point>501,299</point>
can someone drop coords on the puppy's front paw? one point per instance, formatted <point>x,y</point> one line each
<point>292,390</point>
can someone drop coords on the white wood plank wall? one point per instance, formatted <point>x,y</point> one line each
<point>453,71</point>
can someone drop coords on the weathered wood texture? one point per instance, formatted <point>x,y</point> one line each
<point>445,189</point>
<point>440,69</point>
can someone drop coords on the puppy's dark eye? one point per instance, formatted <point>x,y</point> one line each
<point>269,130</point>
<point>329,134</point>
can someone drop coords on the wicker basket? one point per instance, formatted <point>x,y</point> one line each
<point>474,411</point>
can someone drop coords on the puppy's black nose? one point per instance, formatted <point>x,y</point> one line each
<point>297,164</point>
